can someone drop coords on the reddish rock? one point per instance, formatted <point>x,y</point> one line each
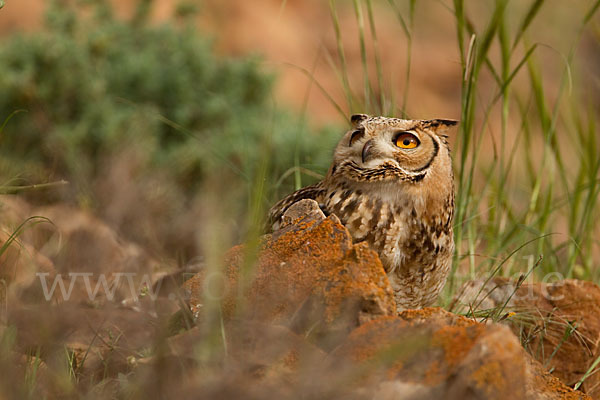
<point>558,323</point>
<point>441,355</point>
<point>308,275</point>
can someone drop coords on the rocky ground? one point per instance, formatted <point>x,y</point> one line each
<point>313,317</point>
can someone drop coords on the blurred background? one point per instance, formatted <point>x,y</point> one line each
<point>178,123</point>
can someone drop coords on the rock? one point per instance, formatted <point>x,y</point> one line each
<point>19,262</point>
<point>79,241</point>
<point>398,390</point>
<point>558,323</point>
<point>307,276</point>
<point>261,350</point>
<point>258,358</point>
<point>99,341</point>
<point>431,353</point>
<point>272,352</point>
<point>303,313</point>
<point>68,245</point>
<point>14,210</point>
<point>305,209</point>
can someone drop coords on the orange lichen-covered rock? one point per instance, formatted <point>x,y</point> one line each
<point>448,356</point>
<point>559,322</point>
<point>308,275</point>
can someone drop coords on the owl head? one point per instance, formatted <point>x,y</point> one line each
<point>391,149</point>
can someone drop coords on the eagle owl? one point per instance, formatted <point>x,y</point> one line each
<point>391,184</point>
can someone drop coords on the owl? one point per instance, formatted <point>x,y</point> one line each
<point>391,184</point>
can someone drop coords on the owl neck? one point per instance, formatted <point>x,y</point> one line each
<point>430,194</point>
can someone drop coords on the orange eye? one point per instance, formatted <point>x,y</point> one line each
<point>406,140</point>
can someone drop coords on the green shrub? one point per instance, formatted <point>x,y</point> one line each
<point>97,86</point>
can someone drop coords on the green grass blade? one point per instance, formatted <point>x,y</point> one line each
<point>363,54</point>
<point>341,55</point>
<point>36,219</point>
<point>587,373</point>
<point>378,66</point>
<point>590,14</point>
<point>323,91</point>
<point>529,17</point>
<point>19,189</point>
<point>8,119</point>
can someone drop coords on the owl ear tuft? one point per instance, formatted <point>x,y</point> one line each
<point>439,125</point>
<point>356,119</point>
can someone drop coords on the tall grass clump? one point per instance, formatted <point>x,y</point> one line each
<point>537,193</point>
<point>526,154</point>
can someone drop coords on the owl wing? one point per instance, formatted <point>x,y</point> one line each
<point>313,192</point>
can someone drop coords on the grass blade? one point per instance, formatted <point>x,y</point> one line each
<point>363,53</point>
<point>36,219</point>
<point>9,118</point>
<point>531,14</point>
<point>341,55</point>
<point>587,373</point>
<point>378,67</point>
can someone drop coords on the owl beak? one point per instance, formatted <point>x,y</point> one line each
<point>366,152</point>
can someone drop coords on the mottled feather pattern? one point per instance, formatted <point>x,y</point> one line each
<point>313,192</point>
<point>398,197</point>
